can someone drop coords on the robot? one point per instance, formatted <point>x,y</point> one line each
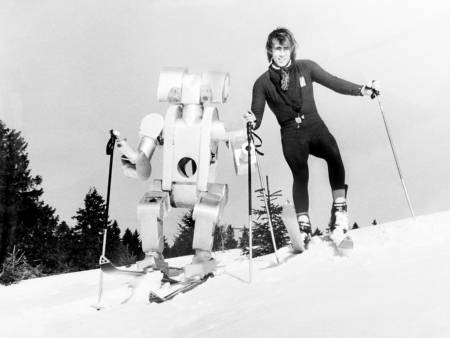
<point>189,136</point>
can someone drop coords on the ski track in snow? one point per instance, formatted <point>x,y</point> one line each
<point>394,284</point>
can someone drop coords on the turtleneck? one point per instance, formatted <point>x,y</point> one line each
<point>284,80</point>
<point>274,65</point>
<point>299,96</point>
<point>284,73</point>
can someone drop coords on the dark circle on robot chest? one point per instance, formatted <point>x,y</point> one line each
<point>187,167</point>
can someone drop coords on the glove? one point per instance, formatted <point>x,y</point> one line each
<point>250,117</point>
<point>371,89</point>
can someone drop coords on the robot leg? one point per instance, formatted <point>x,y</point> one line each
<point>207,213</point>
<point>152,210</point>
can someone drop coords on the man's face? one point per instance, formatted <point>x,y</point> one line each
<point>281,52</point>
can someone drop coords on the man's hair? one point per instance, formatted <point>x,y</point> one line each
<point>281,35</point>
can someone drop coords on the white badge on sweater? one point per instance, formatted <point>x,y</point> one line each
<point>302,81</point>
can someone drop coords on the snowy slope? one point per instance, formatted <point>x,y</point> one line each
<point>395,284</point>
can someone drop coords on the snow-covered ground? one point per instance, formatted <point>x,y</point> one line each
<point>396,283</point>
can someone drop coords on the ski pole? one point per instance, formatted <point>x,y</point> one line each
<point>395,157</point>
<point>250,238</point>
<point>109,151</point>
<point>263,188</point>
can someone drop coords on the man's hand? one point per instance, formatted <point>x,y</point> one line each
<point>250,117</point>
<point>371,89</point>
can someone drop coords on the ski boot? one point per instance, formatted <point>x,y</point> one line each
<point>202,265</point>
<point>339,224</point>
<point>305,229</point>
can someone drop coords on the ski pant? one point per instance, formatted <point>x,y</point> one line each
<point>297,144</point>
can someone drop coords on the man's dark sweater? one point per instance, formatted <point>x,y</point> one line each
<point>299,94</point>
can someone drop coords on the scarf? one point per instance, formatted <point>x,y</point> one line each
<point>284,83</point>
<point>280,77</point>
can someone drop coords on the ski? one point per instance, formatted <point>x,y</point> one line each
<point>181,287</point>
<point>108,267</point>
<point>289,218</point>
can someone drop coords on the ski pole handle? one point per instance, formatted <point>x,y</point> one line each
<point>374,94</point>
<point>375,89</point>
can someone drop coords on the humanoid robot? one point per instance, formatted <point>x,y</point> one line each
<point>189,135</point>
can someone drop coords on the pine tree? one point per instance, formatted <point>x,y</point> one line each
<point>36,235</point>
<point>137,246</point>
<point>133,244</point>
<point>116,251</point>
<point>88,234</point>
<point>224,238</point>
<point>13,181</point>
<point>218,238</point>
<point>127,239</point>
<point>16,268</point>
<point>243,241</point>
<point>25,220</point>
<point>374,222</point>
<point>167,251</point>
<point>183,241</point>
<point>89,231</point>
<point>230,242</point>
<point>355,226</point>
<point>64,241</point>
<point>262,239</point>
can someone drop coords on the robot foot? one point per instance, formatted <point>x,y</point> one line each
<point>153,260</point>
<point>202,264</point>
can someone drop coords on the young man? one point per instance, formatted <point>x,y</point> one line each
<point>287,87</point>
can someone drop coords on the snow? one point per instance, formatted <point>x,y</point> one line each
<point>393,284</point>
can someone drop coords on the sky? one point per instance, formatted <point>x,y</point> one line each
<point>71,71</point>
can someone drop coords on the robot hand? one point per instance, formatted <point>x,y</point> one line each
<point>136,164</point>
<point>128,167</point>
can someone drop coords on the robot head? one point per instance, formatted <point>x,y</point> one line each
<point>177,86</point>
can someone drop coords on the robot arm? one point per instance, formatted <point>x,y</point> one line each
<point>238,141</point>
<point>136,164</point>
<point>128,158</point>
<point>240,149</point>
